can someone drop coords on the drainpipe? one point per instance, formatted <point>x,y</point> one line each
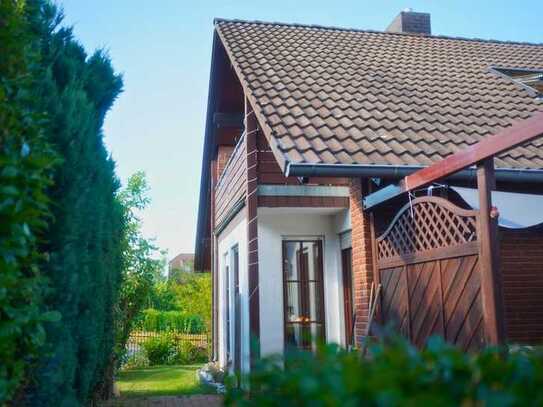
<point>388,171</point>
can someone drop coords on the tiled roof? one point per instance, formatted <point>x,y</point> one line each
<point>181,258</point>
<point>335,96</point>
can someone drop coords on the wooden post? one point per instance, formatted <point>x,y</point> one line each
<point>491,289</point>
<point>214,266</point>
<point>251,132</point>
<point>375,256</point>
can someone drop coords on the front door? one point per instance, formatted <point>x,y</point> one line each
<point>303,293</point>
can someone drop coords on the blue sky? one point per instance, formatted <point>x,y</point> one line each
<point>163,49</point>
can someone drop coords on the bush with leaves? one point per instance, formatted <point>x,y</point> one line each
<point>189,353</point>
<point>395,374</point>
<point>161,350</point>
<point>163,296</point>
<point>142,267</point>
<point>60,223</point>
<point>26,164</point>
<point>169,349</point>
<point>82,244</point>
<point>158,321</point>
<point>137,360</point>
<point>193,293</point>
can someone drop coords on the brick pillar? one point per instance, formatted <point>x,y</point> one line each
<point>361,257</point>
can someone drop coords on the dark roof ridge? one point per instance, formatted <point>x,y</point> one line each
<point>218,20</point>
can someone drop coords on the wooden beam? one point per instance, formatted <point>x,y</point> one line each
<point>214,265</point>
<point>506,139</point>
<point>491,289</point>
<point>251,195</point>
<point>228,120</point>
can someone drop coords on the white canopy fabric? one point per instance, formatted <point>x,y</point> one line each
<point>517,211</point>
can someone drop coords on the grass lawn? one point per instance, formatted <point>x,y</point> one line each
<point>161,381</point>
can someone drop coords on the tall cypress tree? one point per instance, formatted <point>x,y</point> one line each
<point>26,160</point>
<point>84,264</point>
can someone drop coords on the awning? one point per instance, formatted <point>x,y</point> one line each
<point>517,211</point>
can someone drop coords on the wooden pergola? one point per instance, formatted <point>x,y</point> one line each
<point>399,255</point>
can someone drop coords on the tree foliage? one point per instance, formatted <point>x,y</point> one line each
<point>193,295</point>
<point>142,261</point>
<point>70,244</point>
<point>176,321</point>
<point>188,293</point>
<point>26,162</point>
<point>83,240</point>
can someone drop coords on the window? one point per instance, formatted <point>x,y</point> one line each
<point>303,293</point>
<point>530,79</point>
<point>232,300</point>
<point>237,311</point>
<point>227,328</point>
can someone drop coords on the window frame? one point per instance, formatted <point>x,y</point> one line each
<point>227,316</point>
<point>534,92</point>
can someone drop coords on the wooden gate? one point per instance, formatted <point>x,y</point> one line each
<point>427,263</point>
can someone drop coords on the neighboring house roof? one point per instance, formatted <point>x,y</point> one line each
<point>338,96</point>
<point>180,259</point>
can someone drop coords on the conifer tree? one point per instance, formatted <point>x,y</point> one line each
<point>85,259</point>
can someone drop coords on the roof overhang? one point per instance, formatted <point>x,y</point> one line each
<point>204,197</point>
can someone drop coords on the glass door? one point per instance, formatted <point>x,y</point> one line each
<point>303,293</point>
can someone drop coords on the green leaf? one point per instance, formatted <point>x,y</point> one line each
<point>51,316</point>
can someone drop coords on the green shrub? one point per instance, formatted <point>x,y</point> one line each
<point>60,223</point>
<point>396,374</point>
<point>135,361</point>
<point>168,349</point>
<point>161,350</point>
<point>83,241</point>
<point>188,353</point>
<point>160,321</point>
<point>26,167</point>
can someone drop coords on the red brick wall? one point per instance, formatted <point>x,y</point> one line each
<point>522,272</point>
<point>223,154</point>
<point>361,258</point>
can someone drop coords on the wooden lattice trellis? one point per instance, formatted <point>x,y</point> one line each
<point>425,224</point>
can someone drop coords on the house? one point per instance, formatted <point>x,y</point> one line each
<point>182,262</point>
<point>303,124</point>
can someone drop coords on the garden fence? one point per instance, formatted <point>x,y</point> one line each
<point>137,338</point>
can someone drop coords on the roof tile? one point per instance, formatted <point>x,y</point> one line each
<point>345,96</point>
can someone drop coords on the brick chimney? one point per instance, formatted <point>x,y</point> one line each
<point>409,21</point>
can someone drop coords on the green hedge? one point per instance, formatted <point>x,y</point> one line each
<point>26,165</point>
<point>60,222</point>
<point>160,321</point>
<point>167,349</point>
<point>83,241</point>
<point>396,374</point>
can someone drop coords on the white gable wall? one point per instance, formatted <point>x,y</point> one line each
<point>234,234</point>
